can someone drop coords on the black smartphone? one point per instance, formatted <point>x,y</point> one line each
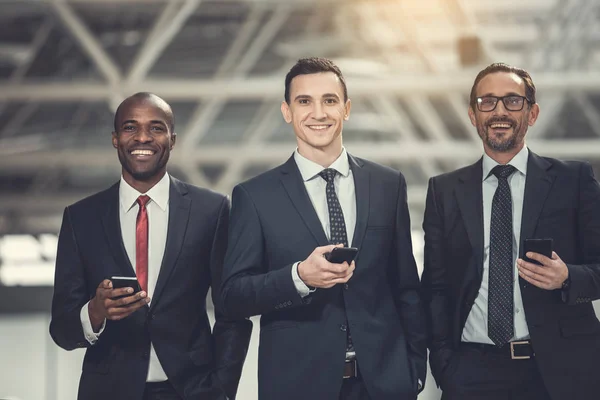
<point>540,246</point>
<point>340,254</point>
<point>125,281</point>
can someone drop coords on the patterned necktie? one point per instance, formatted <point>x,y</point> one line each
<point>500,300</point>
<point>337,228</point>
<point>141,243</point>
<point>337,225</point>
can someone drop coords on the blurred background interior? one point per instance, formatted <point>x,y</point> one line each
<point>409,64</point>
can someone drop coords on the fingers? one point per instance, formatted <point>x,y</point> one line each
<point>326,249</point>
<point>125,306</point>
<point>539,257</point>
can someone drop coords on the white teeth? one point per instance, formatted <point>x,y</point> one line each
<point>142,152</point>
<point>318,127</point>
<point>500,126</point>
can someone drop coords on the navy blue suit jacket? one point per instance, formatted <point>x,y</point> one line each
<point>302,341</point>
<point>200,365</point>
<point>561,201</point>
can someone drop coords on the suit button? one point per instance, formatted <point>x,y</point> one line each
<point>146,354</point>
<point>150,316</point>
<point>343,328</point>
<point>346,286</point>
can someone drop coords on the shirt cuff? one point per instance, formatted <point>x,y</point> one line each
<point>88,331</point>
<point>301,287</point>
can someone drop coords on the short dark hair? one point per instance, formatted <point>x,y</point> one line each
<point>313,65</point>
<point>502,67</point>
<point>141,96</point>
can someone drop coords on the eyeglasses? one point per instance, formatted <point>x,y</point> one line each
<point>511,103</point>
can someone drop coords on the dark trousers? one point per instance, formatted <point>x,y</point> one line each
<point>354,389</point>
<point>160,391</point>
<point>476,374</point>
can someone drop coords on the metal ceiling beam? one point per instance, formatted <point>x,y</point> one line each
<point>406,150</point>
<point>270,88</point>
<point>88,42</point>
<point>164,30</point>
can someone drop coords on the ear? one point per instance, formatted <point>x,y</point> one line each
<point>472,117</point>
<point>114,140</point>
<point>347,108</point>
<point>173,139</point>
<point>534,112</point>
<point>286,112</point>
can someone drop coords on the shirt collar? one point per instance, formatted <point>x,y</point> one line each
<point>309,169</point>
<point>158,193</point>
<point>519,161</point>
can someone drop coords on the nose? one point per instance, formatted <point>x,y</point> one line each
<point>500,109</point>
<point>319,111</point>
<point>143,135</point>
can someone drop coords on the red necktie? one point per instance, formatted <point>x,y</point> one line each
<point>141,243</point>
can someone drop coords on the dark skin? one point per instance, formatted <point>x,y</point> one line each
<point>144,139</point>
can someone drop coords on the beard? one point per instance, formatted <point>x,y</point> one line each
<point>506,142</point>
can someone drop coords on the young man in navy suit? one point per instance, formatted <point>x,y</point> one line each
<point>155,344</point>
<point>328,330</point>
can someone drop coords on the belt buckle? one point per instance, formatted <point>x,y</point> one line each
<point>512,350</point>
<point>354,365</point>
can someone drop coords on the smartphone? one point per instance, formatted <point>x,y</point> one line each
<point>340,254</point>
<point>540,246</point>
<point>125,281</point>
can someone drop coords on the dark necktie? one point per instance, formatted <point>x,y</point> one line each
<point>500,296</point>
<point>141,243</point>
<point>337,227</point>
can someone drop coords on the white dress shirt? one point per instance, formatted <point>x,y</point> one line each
<point>158,221</point>
<point>315,186</point>
<point>476,327</point>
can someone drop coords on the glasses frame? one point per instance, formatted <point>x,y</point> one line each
<point>498,99</point>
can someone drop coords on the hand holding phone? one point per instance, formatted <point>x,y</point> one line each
<point>540,246</point>
<point>325,267</point>
<point>340,254</point>
<point>124,282</point>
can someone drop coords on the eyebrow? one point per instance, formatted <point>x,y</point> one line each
<point>133,121</point>
<point>507,94</point>
<point>326,95</point>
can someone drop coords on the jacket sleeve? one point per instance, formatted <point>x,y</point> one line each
<point>231,337</point>
<point>407,288</point>
<point>70,290</point>
<point>585,277</point>
<point>249,288</point>
<point>435,285</point>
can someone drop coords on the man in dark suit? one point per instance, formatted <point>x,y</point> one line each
<point>172,236</point>
<point>503,327</point>
<point>328,330</point>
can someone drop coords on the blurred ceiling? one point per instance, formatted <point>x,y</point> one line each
<point>410,64</point>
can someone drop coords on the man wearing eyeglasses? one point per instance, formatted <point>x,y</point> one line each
<point>503,327</point>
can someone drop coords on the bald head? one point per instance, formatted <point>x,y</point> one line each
<point>148,99</point>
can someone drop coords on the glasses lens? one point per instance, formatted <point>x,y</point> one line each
<point>513,103</point>
<point>486,103</point>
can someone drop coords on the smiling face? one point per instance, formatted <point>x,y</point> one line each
<point>317,112</point>
<point>143,140</point>
<point>501,130</point>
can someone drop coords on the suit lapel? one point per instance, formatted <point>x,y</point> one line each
<point>179,212</point>
<point>537,187</point>
<point>112,230</point>
<point>362,192</point>
<point>294,186</point>
<point>470,202</point>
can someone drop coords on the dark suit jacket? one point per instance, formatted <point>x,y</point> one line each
<point>90,249</point>
<point>302,341</point>
<point>562,201</point>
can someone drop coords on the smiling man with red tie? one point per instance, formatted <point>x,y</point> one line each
<point>155,343</point>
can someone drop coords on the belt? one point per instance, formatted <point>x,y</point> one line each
<point>518,350</point>
<point>351,369</point>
